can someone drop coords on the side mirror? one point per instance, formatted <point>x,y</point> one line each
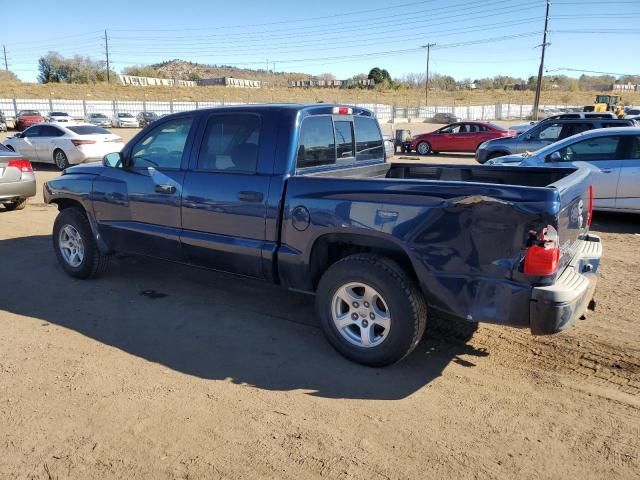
<point>528,137</point>
<point>554,157</point>
<point>113,160</point>
<point>18,135</point>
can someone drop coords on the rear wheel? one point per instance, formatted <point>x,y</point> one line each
<point>16,204</point>
<point>60,159</point>
<point>370,310</point>
<point>75,246</point>
<point>423,148</point>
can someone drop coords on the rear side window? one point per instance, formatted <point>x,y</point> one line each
<point>344,139</point>
<point>575,128</point>
<point>634,154</point>
<point>47,131</point>
<point>614,124</point>
<point>230,143</point>
<point>368,140</point>
<point>317,145</point>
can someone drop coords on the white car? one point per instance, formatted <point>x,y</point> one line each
<point>99,119</point>
<point>612,155</point>
<point>125,120</point>
<point>60,117</point>
<point>64,146</point>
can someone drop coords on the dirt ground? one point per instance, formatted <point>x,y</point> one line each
<point>167,372</point>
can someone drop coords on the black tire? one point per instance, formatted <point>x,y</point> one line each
<point>425,146</point>
<point>406,306</point>
<point>94,262</point>
<point>16,204</point>
<point>60,159</point>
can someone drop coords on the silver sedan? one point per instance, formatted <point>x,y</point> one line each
<point>17,180</point>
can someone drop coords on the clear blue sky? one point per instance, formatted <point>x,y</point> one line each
<point>336,36</point>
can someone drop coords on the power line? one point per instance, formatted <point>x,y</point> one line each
<point>591,71</point>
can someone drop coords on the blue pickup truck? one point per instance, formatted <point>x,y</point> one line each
<point>302,196</point>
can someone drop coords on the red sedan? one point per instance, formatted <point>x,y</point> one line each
<point>26,118</point>
<point>458,137</point>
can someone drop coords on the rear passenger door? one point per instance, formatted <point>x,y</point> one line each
<point>45,143</point>
<point>628,196</point>
<point>225,193</point>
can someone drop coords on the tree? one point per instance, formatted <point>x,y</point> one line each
<point>54,68</point>
<point>381,78</point>
<point>143,71</point>
<point>8,76</point>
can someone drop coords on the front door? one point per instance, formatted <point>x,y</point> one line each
<point>26,145</point>
<point>225,194</point>
<point>138,207</point>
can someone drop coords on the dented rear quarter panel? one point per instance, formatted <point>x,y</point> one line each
<point>466,241</point>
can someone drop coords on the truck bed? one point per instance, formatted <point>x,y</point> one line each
<point>501,175</point>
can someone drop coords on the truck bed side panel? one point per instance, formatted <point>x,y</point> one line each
<point>464,240</point>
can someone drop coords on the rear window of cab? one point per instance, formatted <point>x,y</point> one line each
<point>325,140</point>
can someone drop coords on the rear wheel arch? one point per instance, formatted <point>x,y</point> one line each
<point>331,248</point>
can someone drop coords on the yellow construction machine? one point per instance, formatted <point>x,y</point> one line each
<point>607,103</point>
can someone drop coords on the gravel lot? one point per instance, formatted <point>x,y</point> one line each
<point>214,377</point>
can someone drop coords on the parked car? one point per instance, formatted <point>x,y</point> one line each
<point>64,146</point>
<point>301,196</point>
<point>543,134</point>
<point>59,117</point>
<point>17,181</point>
<point>125,120</point>
<point>26,118</point>
<point>3,123</point>
<point>613,155</point>
<point>146,118</point>
<point>457,137</point>
<point>523,127</point>
<point>445,118</point>
<point>632,112</point>
<point>99,119</point>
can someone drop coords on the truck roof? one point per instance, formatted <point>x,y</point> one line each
<point>311,108</point>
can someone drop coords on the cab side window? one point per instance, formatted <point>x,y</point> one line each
<point>316,145</point>
<point>163,146</point>
<point>230,143</point>
<point>369,144</point>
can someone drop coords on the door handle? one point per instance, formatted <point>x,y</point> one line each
<point>168,189</point>
<point>606,170</point>
<point>249,196</point>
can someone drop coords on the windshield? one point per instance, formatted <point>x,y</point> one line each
<point>29,113</point>
<point>125,115</point>
<point>59,114</point>
<point>88,130</point>
<point>149,114</point>
<point>98,115</point>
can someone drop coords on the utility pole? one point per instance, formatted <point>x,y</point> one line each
<point>106,47</point>
<point>536,101</point>
<point>426,80</point>
<point>6,65</point>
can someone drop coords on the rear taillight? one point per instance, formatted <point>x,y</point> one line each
<point>543,257</point>
<point>21,164</point>
<point>82,142</point>
<point>590,213</point>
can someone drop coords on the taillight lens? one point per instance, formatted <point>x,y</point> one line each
<point>590,214</point>
<point>21,164</point>
<point>82,142</point>
<point>543,257</point>
<point>342,110</point>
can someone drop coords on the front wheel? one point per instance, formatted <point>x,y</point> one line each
<point>423,148</point>
<point>370,310</point>
<point>75,247</point>
<point>60,159</point>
